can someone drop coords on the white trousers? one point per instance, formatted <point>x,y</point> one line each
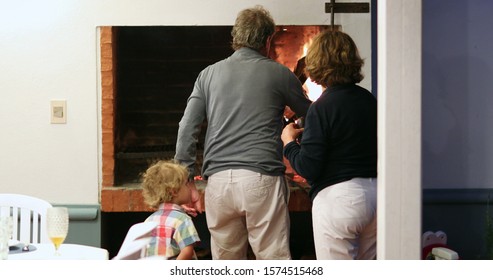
<point>345,221</point>
<point>244,207</point>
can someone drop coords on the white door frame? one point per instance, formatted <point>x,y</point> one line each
<point>399,129</point>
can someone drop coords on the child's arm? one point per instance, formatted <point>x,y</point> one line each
<point>186,253</point>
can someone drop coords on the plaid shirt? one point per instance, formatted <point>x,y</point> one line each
<point>174,232</point>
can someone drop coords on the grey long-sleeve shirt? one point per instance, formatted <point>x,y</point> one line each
<point>242,98</point>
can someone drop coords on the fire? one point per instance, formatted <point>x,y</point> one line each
<point>313,90</point>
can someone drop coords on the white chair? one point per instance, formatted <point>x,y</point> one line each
<point>28,216</point>
<point>133,250</point>
<point>136,241</point>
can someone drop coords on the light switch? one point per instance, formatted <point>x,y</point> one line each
<point>58,111</point>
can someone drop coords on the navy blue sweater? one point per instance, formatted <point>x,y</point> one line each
<point>340,138</point>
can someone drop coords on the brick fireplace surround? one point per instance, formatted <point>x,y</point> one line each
<point>113,199</point>
<point>123,198</point>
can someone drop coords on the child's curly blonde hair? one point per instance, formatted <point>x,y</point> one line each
<point>161,180</point>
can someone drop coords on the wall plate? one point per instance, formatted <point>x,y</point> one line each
<point>58,111</point>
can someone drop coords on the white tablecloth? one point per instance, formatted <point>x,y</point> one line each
<point>46,251</point>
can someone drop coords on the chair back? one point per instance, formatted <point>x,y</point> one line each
<point>133,250</point>
<point>28,216</point>
<point>136,240</point>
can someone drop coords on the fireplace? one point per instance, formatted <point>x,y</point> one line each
<point>147,75</point>
<point>155,72</point>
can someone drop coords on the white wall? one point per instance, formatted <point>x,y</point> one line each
<point>49,51</point>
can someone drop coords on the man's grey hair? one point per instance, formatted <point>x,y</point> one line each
<point>252,28</point>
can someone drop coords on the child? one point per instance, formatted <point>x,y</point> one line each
<point>165,185</point>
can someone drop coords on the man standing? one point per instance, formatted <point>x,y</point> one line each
<point>243,98</point>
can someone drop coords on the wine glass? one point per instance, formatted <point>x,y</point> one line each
<point>57,224</point>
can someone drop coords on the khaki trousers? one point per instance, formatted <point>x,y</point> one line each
<point>244,207</point>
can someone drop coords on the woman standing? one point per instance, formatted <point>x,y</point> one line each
<point>338,153</point>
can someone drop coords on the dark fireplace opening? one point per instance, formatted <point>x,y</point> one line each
<point>155,69</point>
<point>155,72</point>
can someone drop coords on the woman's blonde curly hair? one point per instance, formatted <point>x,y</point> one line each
<point>333,59</point>
<point>161,180</point>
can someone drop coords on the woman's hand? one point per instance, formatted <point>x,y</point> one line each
<point>290,133</point>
